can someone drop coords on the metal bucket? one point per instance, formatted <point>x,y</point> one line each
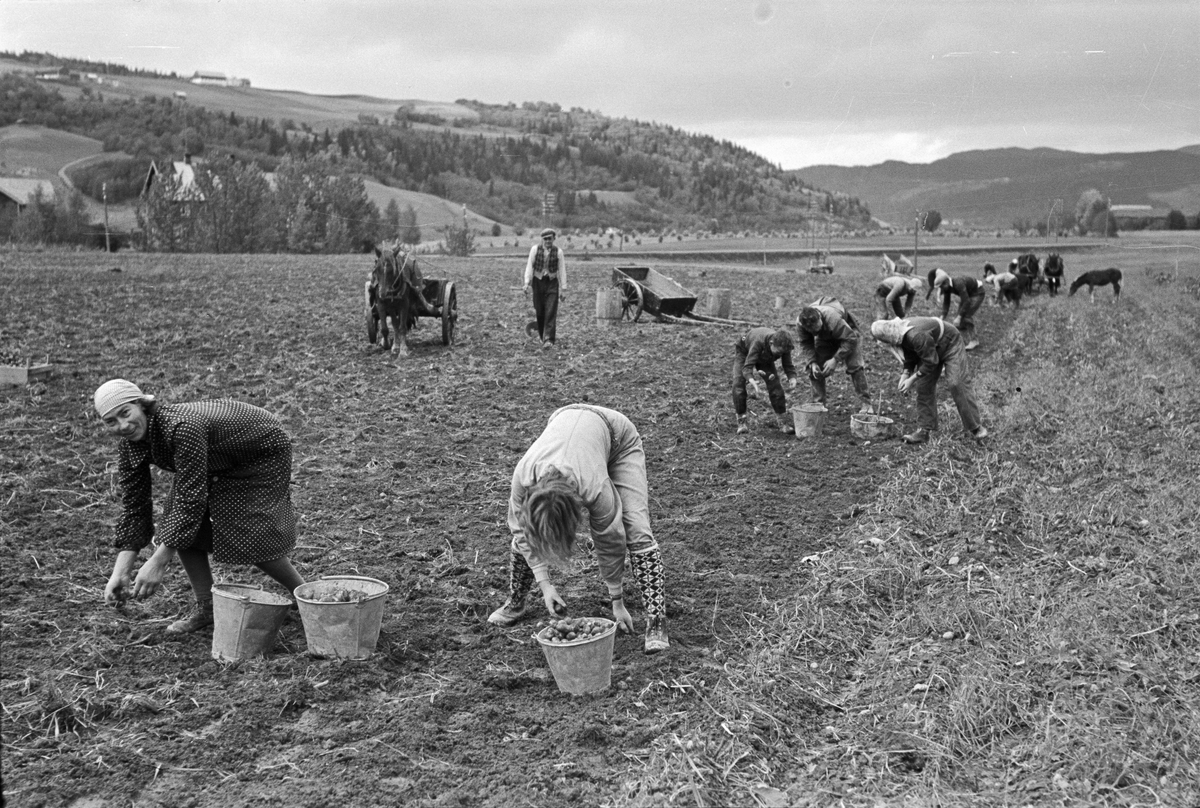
<point>869,427</point>
<point>581,666</point>
<point>346,629</point>
<point>246,621</point>
<point>809,420</point>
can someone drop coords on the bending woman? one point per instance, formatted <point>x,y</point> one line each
<point>229,496</point>
<point>587,458</point>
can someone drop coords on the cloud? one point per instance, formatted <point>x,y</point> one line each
<point>834,77</point>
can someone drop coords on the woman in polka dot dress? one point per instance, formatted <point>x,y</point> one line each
<point>229,497</point>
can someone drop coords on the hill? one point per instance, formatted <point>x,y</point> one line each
<point>993,188</point>
<point>523,166</point>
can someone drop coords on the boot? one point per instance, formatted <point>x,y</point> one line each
<point>648,570</point>
<point>520,579</point>
<point>920,436</point>
<point>200,617</point>
<point>742,426</point>
<point>656,635</point>
<point>786,425</point>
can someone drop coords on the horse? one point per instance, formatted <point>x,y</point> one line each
<point>1009,287</point>
<point>1053,272</point>
<point>1099,277</point>
<point>1029,269</point>
<point>396,292</point>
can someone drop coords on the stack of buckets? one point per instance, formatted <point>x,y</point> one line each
<point>580,666</point>
<point>342,629</point>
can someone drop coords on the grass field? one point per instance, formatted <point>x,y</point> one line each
<point>853,623</point>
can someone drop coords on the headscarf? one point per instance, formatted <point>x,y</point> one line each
<point>891,334</point>
<point>114,393</point>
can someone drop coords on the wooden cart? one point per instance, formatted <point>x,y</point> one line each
<point>644,289</point>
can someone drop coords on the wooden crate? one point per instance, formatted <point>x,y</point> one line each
<point>23,374</point>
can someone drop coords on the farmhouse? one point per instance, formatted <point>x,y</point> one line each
<point>15,192</point>
<point>181,169</point>
<point>1139,217</point>
<point>209,77</point>
<point>215,79</point>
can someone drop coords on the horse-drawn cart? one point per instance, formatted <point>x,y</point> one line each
<point>440,292</point>
<point>644,289</point>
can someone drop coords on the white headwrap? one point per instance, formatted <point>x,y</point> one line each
<point>891,333</point>
<point>940,277</point>
<point>114,393</point>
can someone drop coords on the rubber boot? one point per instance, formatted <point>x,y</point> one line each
<point>520,580</point>
<point>648,570</point>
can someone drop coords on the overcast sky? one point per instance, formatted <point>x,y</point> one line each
<point>801,82</point>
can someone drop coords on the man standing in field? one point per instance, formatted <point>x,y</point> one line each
<point>829,337</point>
<point>545,276</point>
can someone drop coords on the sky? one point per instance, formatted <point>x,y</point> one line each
<point>800,82</point>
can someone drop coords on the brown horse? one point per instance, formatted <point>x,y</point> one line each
<point>395,292</point>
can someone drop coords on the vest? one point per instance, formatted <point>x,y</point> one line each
<point>543,265</point>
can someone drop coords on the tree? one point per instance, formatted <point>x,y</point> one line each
<point>391,220</point>
<point>930,220</point>
<point>1176,220</point>
<point>1093,214</point>
<point>410,231</point>
<point>459,240</point>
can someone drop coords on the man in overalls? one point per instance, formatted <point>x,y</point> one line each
<point>545,275</point>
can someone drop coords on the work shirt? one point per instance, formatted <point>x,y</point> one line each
<point>757,346</point>
<point>925,343</point>
<point>600,451</point>
<point>834,329</point>
<point>895,286</point>
<point>965,288</point>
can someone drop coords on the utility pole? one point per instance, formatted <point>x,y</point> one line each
<point>104,193</point>
<point>916,243</point>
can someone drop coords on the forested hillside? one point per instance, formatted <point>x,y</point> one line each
<point>517,164</point>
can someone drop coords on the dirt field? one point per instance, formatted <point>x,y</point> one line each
<point>401,473</point>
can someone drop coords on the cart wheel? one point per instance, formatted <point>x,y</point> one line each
<point>372,320</point>
<point>631,300</point>
<point>449,313</point>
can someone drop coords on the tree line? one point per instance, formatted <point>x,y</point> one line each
<point>670,178</point>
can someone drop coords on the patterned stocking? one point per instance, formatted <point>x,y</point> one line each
<point>648,570</point>
<point>520,578</point>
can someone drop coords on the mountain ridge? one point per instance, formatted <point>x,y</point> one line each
<point>996,187</point>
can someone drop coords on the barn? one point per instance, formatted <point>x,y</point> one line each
<point>15,192</point>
